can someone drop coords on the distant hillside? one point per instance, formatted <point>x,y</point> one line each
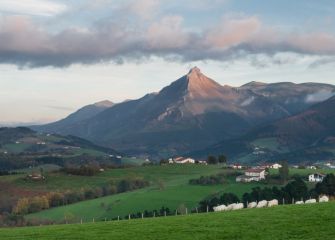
<point>305,137</point>
<point>193,112</point>
<point>22,147</point>
<point>82,114</point>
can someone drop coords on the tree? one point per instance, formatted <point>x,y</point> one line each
<point>284,172</point>
<point>163,161</point>
<point>327,186</point>
<point>228,198</point>
<point>22,206</point>
<point>297,189</point>
<point>212,160</point>
<point>222,159</point>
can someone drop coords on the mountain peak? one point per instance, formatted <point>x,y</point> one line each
<point>195,70</point>
<point>201,85</point>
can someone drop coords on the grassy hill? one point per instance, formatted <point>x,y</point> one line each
<point>21,148</point>
<point>315,221</point>
<point>169,187</point>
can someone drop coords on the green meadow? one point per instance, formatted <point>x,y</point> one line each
<point>298,222</point>
<point>169,187</point>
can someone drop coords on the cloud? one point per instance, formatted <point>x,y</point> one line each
<point>27,44</point>
<point>145,9</point>
<point>32,7</point>
<point>167,34</point>
<point>319,96</point>
<point>232,32</point>
<point>248,101</point>
<point>322,61</point>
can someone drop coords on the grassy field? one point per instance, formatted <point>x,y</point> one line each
<point>292,222</point>
<point>267,143</point>
<point>133,161</point>
<point>169,187</point>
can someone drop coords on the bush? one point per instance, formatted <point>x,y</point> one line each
<point>209,180</point>
<point>226,198</point>
<point>82,171</point>
<point>131,184</point>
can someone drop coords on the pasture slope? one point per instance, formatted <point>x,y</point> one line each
<point>169,187</point>
<point>305,222</point>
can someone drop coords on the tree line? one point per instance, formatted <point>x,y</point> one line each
<point>28,205</point>
<point>295,190</point>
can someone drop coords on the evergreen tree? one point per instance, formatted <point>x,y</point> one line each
<point>284,172</point>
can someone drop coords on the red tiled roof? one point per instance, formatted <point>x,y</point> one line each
<point>255,170</point>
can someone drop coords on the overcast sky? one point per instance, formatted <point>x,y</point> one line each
<point>58,55</point>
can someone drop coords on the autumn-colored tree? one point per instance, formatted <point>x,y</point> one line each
<point>21,207</point>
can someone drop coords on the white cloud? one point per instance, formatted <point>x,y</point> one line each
<point>32,7</point>
<point>25,43</point>
<point>319,96</point>
<point>248,101</point>
<point>145,9</point>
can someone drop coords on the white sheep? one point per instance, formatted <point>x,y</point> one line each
<point>272,203</point>
<point>220,208</point>
<point>324,198</point>
<point>262,204</point>
<point>252,205</point>
<point>310,201</point>
<point>299,202</point>
<point>231,206</point>
<point>238,206</point>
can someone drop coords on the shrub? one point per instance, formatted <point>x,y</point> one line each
<point>208,180</point>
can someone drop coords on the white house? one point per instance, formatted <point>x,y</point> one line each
<point>316,177</point>
<point>253,174</point>
<point>237,166</point>
<point>182,160</point>
<point>275,166</point>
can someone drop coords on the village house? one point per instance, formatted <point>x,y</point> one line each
<point>183,160</point>
<point>35,176</point>
<point>275,166</point>
<point>253,174</point>
<point>316,177</point>
<point>237,166</point>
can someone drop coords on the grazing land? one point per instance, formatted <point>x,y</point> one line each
<point>314,221</point>
<point>169,187</point>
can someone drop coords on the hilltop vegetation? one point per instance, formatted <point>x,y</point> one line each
<point>21,147</point>
<point>298,222</point>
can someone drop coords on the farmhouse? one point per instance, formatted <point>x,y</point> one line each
<point>316,177</point>
<point>275,166</point>
<point>237,166</point>
<point>183,160</point>
<point>253,174</point>
<point>35,176</point>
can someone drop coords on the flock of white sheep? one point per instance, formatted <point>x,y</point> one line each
<point>262,204</point>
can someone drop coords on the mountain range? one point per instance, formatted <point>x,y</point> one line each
<point>191,114</point>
